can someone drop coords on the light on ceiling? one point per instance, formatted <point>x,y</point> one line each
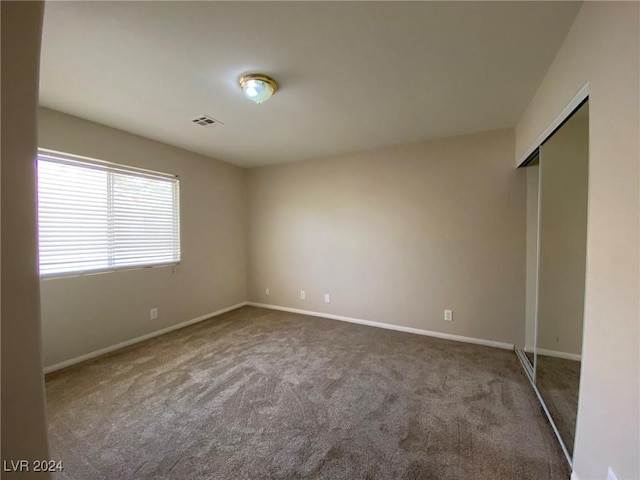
<point>257,87</point>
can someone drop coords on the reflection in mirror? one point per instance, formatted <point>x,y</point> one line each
<point>531,298</point>
<point>562,238</point>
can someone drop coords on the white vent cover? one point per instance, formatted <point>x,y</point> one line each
<point>206,121</point>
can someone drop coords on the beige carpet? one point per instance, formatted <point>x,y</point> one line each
<point>259,394</point>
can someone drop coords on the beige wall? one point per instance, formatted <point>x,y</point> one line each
<point>602,49</point>
<point>533,173</point>
<point>564,162</point>
<point>87,313</point>
<point>23,413</point>
<point>397,235</point>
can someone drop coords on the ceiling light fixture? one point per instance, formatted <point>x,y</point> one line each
<point>257,87</point>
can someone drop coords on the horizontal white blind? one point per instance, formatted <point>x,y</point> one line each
<point>96,216</point>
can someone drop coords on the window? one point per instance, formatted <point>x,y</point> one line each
<point>96,216</point>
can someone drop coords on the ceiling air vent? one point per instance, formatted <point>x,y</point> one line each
<point>206,121</point>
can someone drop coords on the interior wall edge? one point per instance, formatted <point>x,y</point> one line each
<point>23,412</point>
<point>389,326</point>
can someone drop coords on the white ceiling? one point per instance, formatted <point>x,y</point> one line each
<point>352,75</point>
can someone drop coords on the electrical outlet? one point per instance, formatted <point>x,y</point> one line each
<point>153,313</point>
<point>267,292</point>
<point>611,475</point>
<point>303,295</point>
<point>448,315</point>
<point>327,298</point>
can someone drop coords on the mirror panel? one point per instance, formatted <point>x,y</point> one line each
<point>562,239</point>
<point>531,299</point>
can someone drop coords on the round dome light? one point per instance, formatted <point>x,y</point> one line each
<point>257,87</point>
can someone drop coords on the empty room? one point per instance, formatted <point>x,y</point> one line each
<point>320,240</point>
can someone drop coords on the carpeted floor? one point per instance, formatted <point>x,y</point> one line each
<point>558,381</point>
<point>260,394</point>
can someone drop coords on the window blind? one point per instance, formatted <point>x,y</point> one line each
<point>95,216</point>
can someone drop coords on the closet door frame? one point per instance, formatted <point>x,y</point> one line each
<point>532,154</point>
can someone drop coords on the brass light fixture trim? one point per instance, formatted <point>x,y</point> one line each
<point>258,87</point>
<point>260,77</point>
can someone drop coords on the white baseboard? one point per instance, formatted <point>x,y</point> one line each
<point>574,476</point>
<point>389,326</point>
<point>557,354</point>
<point>118,346</point>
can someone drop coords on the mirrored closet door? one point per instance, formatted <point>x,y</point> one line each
<point>557,181</point>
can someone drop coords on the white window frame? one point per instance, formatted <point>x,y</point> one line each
<point>112,169</point>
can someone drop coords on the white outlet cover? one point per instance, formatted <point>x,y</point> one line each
<point>327,298</point>
<point>448,315</point>
<point>303,295</point>
<point>153,313</point>
<point>267,292</point>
